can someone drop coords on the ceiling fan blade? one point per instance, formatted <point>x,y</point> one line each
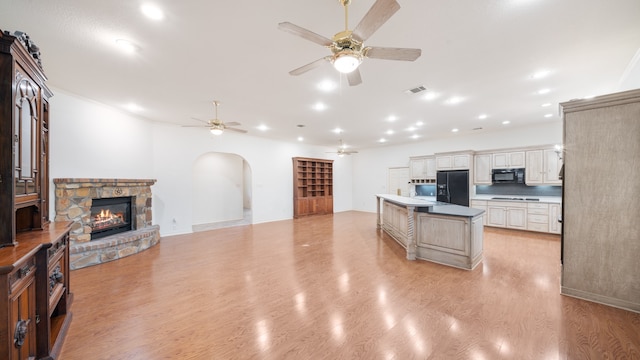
<point>387,53</point>
<point>236,130</point>
<point>310,66</point>
<point>379,13</point>
<point>354,78</point>
<point>195,125</point>
<point>232,123</point>
<point>304,33</point>
<point>204,121</point>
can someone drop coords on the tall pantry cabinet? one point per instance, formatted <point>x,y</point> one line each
<point>312,187</point>
<point>34,253</point>
<point>600,245</point>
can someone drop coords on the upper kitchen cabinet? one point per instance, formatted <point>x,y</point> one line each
<point>459,160</point>
<point>423,169</point>
<point>482,169</point>
<point>508,160</point>
<point>543,167</point>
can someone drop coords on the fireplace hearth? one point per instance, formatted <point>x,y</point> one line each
<point>112,218</point>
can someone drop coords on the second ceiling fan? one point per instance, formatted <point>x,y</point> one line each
<point>347,47</point>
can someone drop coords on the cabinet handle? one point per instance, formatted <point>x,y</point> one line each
<point>22,326</point>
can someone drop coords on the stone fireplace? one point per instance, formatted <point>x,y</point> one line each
<point>106,232</point>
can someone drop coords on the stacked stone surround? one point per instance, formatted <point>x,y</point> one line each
<point>74,197</point>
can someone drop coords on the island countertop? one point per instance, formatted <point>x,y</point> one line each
<point>432,207</point>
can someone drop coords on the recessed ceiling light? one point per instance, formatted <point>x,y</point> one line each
<point>392,118</point>
<point>454,130</point>
<point>546,105</point>
<point>263,127</point>
<point>319,106</point>
<point>382,140</point>
<point>482,116</point>
<point>133,107</point>
<point>415,136</point>
<point>548,115</point>
<point>419,123</point>
<point>543,91</point>
<point>300,138</point>
<point>430,95</point>
<point>126,46</point>
<point>389,132</point>
<point>337,130</point>
<point>152,12</point>
<point>540,74</point>
<point>454,100</point>
<point>411,128</point>
<point>327,85</point>
<point>506,122</point>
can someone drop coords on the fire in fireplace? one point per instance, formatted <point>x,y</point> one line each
<point>110,216</point>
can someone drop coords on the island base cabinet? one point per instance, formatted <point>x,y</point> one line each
<point>451,241</point>
<point>395,222</point>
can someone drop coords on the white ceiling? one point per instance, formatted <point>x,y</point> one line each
<point>484,52</point>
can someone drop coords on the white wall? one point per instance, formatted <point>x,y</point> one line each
<point>176,148</point>
<point>91,140</point>
<point>217,192</point>
<point>371,166</point>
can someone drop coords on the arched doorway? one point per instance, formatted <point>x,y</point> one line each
<point>221,191</point>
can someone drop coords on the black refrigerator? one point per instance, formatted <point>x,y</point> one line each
<point>453,187</point>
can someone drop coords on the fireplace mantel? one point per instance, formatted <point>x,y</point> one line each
<point>74,198</point>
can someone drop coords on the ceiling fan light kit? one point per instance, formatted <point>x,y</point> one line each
<point>348,47</point>
<point>216,126</point>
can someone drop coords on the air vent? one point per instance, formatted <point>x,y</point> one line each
<point>416,89</point>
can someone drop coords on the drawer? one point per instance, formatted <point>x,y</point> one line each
<point>475,203</point>
<point>22,274</point>
<point>544,211</point>
<point>542,219</point>
<point>537,206</point>
<point>538,227</point>
<point>510,204</point>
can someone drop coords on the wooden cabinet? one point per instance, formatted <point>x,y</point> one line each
<point>35,298</point>
<point>18,303</point>
<point>395,222</point>
<point>538,217</point>
<point>482,169</point>
<point>512,215</point>
<point>506,160</point>
<point>555,211</point>
<point>24,126</point>
<point>453,161</point>
<point>312,187</point>
<point>481,205</point>
<point>422,169</point>
<point>600,247</point>
<point>543,167</point>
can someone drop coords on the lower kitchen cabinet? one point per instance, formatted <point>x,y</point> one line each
<point>538,217</point>
<point>512,215</point>
<point>555,211</point>
<point>481,205</point>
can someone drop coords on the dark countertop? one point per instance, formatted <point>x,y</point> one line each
<point>432,207</point>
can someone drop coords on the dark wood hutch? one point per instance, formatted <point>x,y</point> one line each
<point>34,254</point>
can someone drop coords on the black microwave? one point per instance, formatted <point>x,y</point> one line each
<point>507,176</point>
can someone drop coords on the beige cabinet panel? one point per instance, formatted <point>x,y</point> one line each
<point>482,169</point>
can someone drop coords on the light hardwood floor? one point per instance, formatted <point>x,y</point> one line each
<point>333,287</point>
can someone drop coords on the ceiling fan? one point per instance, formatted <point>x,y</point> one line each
<point>347,47</point>
<point>216,126</point>
<point>342,150</point>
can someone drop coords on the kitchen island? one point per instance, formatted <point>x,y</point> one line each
<point>434,231</point>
